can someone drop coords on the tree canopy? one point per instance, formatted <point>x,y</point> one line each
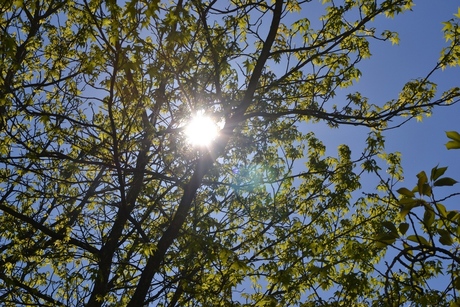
<point>104,201</point>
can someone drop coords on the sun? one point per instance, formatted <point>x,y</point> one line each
<point>201,130</point>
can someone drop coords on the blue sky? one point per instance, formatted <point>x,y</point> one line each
<point>422,144</point>
<point>383,76</point>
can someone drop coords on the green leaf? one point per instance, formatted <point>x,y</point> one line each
<point>437,172</point>
<point>418,239</point>
<point>458,13</point>
<point>446,238</point>
<point>428,217</point>
<point>403,227</point>
<point>18,3</point>
<point>455,140</point>
<point>390,226</point>
<point>457,286</point>
<point>441,210</point>
<point>402,214</point>
<point>452,215</point>
<point>405,192</point>
<point>407,204</point>
<point>447,26</point>
<point>454,135</point>
<point>384,243</point>
<point>445,181</point>
<point>408,247</point>
<point>384,239</point>
<point>426,190</point>
<point>422,180</point>
<point>453,145</point>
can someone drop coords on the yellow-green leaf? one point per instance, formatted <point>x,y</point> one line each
<point>454,135</point>
<point>441,210</point>
<point>422,180</point>
<point>405,192</point>
<point>453,145</point>
<point>437,172</point>
<point>418,239</point>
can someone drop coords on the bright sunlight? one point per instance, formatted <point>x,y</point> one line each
<point>201,130</point>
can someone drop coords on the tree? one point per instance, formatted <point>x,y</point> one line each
<point>105,202</point>
<point>425,239</point>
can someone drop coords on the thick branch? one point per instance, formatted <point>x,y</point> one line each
<point>204,164</point>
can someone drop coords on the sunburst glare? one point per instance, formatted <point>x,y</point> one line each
<point>201,130</point>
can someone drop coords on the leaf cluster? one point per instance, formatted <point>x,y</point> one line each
<point>426,241</point>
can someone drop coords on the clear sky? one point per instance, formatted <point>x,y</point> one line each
<point>383,76</point>
<point>422,144</point>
